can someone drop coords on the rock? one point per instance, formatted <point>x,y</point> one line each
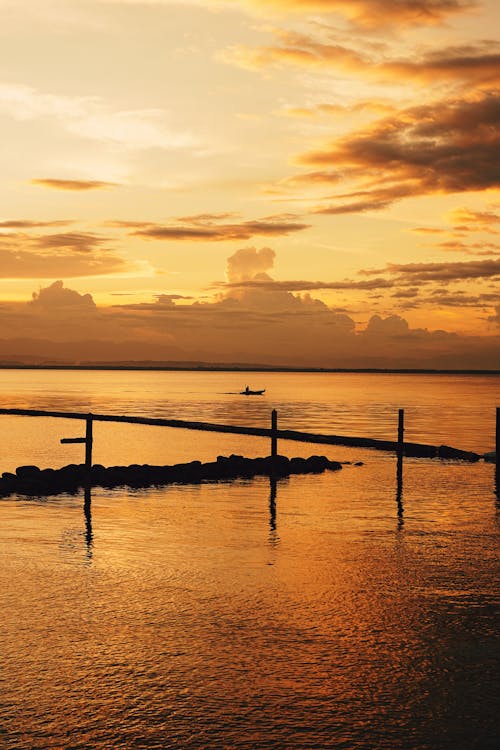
<point>490,457</point>
<point>445,451</point>
<point>27,472</point>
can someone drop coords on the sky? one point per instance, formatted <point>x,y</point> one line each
<point>309,183</point>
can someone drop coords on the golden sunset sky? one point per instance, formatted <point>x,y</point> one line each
<point>283,182</point>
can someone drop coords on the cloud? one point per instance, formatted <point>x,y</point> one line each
<point>270,285</point>
<point>472,64</point>
<point>467,220</point>
<point>373,12</point>
<point>57,296</point>
<point>249,325</point>
<point>79,242</point>
<point>248,262</point>
<point>448,146</point>
<point>74,185</point>
<point>28,224</point>
<point>68,254</point>
<point>440,272</point>
<point>475,248</point>
<point>201,229</point>
<point>496,317</point>
<point>93,118</point>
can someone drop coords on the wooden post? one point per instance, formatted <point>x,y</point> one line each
<point>400,452</point>
<point>274,428</point>
<point>88,443</point>
<point>401,430</point>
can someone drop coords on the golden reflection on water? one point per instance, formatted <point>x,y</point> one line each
<point>354,610</point>
<point>246,615</point>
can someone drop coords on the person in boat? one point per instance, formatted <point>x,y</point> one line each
<point>247,389</point>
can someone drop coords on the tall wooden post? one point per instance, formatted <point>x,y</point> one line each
<point>401,430</point>
<point>400,452</point>
<point>88,443</point>
<point>274,429</point>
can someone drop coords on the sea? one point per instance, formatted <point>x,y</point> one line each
<point>341,610</point>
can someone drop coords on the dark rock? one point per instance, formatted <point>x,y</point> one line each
<point>8,475</point>
<point>359,463</point>
<point>445,451</point>
<point>298,465</point>
<point>317,464</point>
<point>418,450</point>
<point>26,472</point>
<point>490,457</point>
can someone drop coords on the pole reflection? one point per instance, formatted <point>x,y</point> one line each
<point>87,512</point>
<point>399,490</point>
<point>273,533</point>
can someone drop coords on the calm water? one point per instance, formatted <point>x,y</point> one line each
<point>325,612</point>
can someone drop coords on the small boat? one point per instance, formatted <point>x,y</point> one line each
<point>249,392</point>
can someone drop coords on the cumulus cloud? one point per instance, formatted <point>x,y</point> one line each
<point>248,325</point>
<point>57,297</point>
<point>448,146</point>
<point>247,263</point>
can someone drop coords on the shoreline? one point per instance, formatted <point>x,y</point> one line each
<point>248,368</point>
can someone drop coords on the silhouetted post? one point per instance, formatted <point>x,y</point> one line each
<point>274,429</point>
<point>88,443</point>
<point>400,449</point>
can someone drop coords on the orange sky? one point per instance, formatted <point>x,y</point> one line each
<point>301,182</point>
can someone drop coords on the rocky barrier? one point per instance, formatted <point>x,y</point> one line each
<point>32,481</point>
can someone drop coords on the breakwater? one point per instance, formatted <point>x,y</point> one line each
<point>32,481</point>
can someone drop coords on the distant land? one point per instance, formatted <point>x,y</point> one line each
<point>190,366</point>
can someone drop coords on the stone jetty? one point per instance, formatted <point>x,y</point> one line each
<point>31,481</point>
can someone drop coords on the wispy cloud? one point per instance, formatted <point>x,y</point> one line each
<point>203,229</point>
<point>93,118</point>
<point>415,273</point>
<point>73,185</point>
<point>475,64</point>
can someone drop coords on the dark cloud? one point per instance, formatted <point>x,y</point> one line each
<point>440,272</point>
<point>246,325</point>
<point>79,242</point>
<point>66,254</point>
<point>203,230</point>
<point>270,285</point>
<point>446,147</point>
<point>75,185</point>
